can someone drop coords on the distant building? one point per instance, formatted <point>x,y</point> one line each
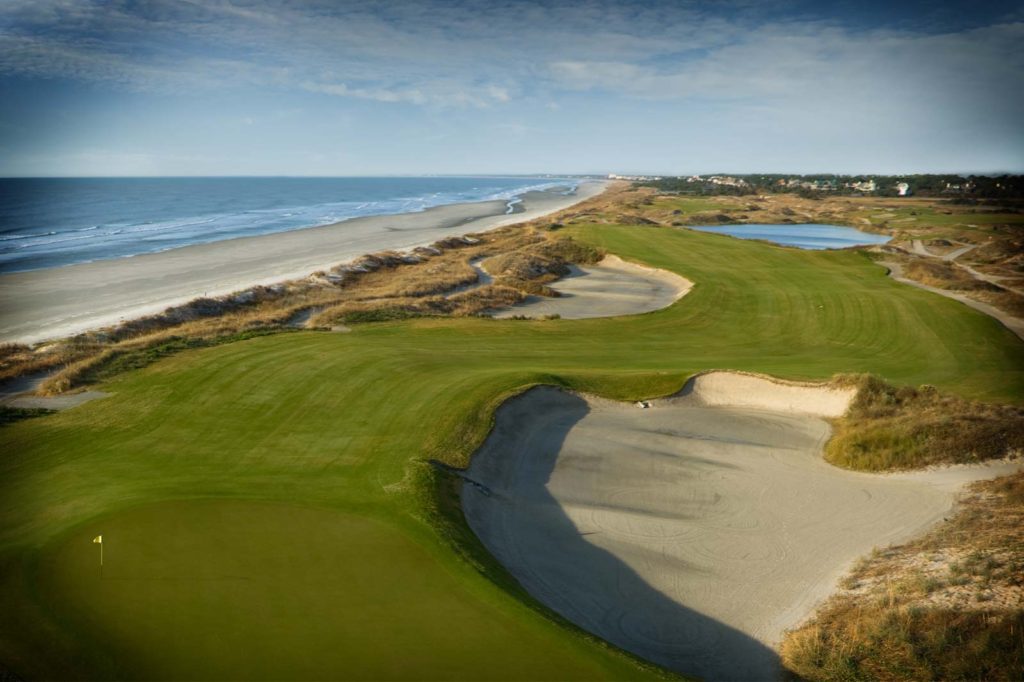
<point>959,187</point>
<point>639,178</point>
<point>863,186</point>
<point>813,185</point>
<point>903,189</point>
<point>727,180</point>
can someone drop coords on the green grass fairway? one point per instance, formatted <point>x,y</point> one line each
<point>350,577</point>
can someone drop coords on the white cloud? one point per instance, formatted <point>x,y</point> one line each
<point>499,60</point>
<point>477,54</point>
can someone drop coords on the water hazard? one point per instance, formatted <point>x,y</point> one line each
<point>809,236</point>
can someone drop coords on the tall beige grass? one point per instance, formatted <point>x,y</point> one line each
<point>436,280</point>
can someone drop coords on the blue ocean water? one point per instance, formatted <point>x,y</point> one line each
<point>49,222</point>
<point>807,236</point>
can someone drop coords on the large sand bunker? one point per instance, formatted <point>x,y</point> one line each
<point>609,288</point>
<point>692,533</point>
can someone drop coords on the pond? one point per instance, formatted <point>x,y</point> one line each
<point>808,236</point>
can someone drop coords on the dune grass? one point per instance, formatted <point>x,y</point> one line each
<point>943,607</point>
<point>889,427</point>
<point>346,423</point>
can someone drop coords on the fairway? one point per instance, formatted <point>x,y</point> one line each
<point>367,583</point>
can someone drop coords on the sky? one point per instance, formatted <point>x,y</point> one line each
<point>331,87</point>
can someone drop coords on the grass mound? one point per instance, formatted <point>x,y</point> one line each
<point>944,275</point>
<point>889,427</point>
<point>880,642</point>
<point>946,607</point>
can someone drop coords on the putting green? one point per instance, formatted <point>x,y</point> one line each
<point>344,422</point>
<point>225,589</point>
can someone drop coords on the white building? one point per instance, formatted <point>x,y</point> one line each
<point>640,178</point>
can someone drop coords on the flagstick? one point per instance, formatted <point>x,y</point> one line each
<point>99,540</point>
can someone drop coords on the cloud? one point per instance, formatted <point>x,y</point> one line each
<point>814,76</point>
<point>472,54</point>
<point>785,60</point>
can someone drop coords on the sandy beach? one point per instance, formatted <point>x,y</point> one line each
<point>695,531</point>
<point>58,302</point>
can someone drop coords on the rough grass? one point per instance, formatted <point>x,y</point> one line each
<point>10,415</point>
<point>945,607</point>
<point>461,304</point>
<point>1009,301</point>
<point>889,427</point>
<point>124,357</point>
<point>888,642</point>
<point>19,360</point>
<point>944,275</point>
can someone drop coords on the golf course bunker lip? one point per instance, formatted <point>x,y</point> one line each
<point>692,532</point>
<point>609,288</point>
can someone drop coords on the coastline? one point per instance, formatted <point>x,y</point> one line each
<point>46,304</point>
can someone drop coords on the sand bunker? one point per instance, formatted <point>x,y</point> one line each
<point>609,288</point>
<point>21,393</point>
<point>692,533</point>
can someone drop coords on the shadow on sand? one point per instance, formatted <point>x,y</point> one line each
<point>529,531</point>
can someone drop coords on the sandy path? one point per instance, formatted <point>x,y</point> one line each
<point>62,301</point>
<point>917,246</point>
<point>1014,324</point>
<point>609,288</point>
<point>692,534</point>
<point>956,253</point>
<point>952,255</point>
<point>991,279</point>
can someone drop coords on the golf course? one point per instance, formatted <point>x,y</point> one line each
<point>286,506</point>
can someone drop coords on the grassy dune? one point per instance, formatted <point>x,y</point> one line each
<point>942,607</point>
<point>343,423</point>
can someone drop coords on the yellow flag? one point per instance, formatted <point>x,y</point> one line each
<point>98,539</point>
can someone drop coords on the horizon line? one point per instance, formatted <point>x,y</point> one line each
<point>603,176</point>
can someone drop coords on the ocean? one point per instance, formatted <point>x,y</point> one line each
<point>49,222</point>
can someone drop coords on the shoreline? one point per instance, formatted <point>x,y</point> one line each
<point>40,305</point>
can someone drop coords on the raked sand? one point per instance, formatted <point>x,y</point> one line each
<point>62,301</point>
<point>692,533</point>
<point>607,289</point>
